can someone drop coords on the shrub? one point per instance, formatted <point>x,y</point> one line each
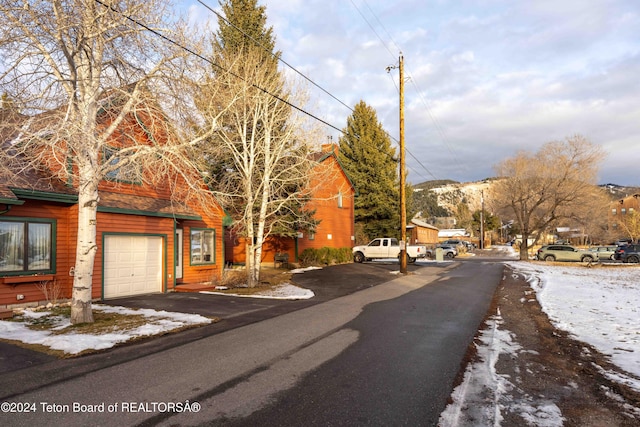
<point>325,256</point>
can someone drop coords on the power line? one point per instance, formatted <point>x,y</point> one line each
<point>268,50</point>
<point>436,122</point>
<point>205,59</point>
<point>191,51</point>
<point>372,29</point>
<point>272,54</point>
<point>419,92</point>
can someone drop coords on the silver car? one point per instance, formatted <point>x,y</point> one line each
<point>604,252</point>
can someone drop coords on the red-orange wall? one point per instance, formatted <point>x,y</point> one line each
<point>336,228</point>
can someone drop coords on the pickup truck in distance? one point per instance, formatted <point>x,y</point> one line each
<point>386,247</point>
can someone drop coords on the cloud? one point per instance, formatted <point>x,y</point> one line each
<point>487,77</point>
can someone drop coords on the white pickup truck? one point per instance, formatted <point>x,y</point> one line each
<point>387,247</point>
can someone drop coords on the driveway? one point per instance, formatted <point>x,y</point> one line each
<point>326,283</point>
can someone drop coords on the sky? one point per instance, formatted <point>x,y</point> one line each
<point>598,306</point>
<point>484,79</point>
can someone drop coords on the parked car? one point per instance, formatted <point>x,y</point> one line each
<point>386,247</point>
<point>565,253</point>
<point>623,242</point>
<point>628,253</point>
<point>456,243</point>
<point>605,252</point>
<point>448,251</point>
<point>470,246</point>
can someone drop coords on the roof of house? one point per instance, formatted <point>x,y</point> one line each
<point>453,232</point>
<point>331,151</point>
<point>21,179</point>
<point>139,205</point>
<point>419,223</point>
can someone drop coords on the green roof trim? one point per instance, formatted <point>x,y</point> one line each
<point>335,156</point>
<point>45,195</point>
<point>106,209</point>
<point>4,201</point>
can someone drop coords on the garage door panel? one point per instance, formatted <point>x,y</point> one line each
<point>132,265</point>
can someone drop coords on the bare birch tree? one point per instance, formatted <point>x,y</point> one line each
<point>80,71</point>
<point>540,189</point>
<point>630,224</point>
<point>263,179</point>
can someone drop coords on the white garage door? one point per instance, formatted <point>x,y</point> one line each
<point>132,265</point>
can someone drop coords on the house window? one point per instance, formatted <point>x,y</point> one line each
<point>623,211</point>
<point>340,199</point>
<point>130,172</point>
<point>312,236</point>
<point>203,249</point>
<point>614,211</point>
<point>26,246</point>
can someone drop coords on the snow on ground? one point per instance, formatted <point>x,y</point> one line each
<point>158,322</point>
<point>599,306</point>
<point>285,291</point>
<point>483,393</point>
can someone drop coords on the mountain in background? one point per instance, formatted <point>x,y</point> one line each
<point>618,191</point>
<point>440,198</point>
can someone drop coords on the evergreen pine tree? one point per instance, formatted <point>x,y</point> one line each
<point>369,159</point>
<point>243,30</point>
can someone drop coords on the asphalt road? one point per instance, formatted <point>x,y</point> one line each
<point>386,354</point>
<point>402,368</point>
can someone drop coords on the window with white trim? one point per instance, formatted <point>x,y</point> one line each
<point>203,249</point>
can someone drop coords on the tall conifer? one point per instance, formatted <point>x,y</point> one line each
<point>369,159</point>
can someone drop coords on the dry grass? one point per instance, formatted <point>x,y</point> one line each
<point>236,281</point>
<point>104,323</point>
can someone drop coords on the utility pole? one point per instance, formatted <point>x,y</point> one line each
<point>481,219</point>
<point>403,203</point>
<point>403,178</point>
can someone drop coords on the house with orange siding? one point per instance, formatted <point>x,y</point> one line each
<point>148,242</point>
<point>621,216</point>
<point>332,196</point>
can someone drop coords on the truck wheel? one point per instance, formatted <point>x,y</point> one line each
<point>358,257</point>
<point>449,255</point>
<point>410,260</point>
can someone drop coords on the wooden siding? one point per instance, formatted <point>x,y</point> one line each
<point>423,235</point>
<point>66,217</point>
<point>207,272</point>
<point>329,188</point>
<point>618,211</point>
<point>333,199</point>
<point>64,258</point>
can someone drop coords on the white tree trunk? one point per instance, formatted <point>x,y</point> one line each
<point>85,252</point>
